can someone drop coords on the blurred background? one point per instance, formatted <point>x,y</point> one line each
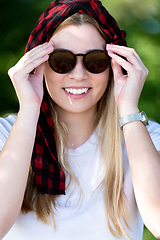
<point>139,18</point>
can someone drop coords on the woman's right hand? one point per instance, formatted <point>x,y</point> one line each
<point>14,164</point>
<point>29,87</point>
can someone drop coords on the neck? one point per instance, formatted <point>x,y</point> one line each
<point>80,127</point>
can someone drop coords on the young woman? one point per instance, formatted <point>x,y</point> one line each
<point>69,169</point>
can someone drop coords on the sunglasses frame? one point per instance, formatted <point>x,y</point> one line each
<point>75,59</point>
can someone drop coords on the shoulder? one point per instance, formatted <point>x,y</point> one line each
<point>5,128</point>
<point>154,131</point>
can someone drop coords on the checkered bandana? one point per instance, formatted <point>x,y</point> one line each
<point>49,176</point>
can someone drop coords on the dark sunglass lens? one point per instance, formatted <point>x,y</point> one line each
<point>96,61</point>
<point>62,61</point>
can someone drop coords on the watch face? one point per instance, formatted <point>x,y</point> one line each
<point>144,118</point>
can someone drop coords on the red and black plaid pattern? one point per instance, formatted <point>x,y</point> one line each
<point>49,176</point>
<point>59,10</point>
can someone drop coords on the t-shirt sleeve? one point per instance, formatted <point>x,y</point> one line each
<point>5,128</point>
<point>154,131</point>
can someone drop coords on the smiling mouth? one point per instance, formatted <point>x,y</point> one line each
<point>75,91</point>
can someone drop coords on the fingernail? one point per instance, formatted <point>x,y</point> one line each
<point>110,44</point>
<point>110,52</point>
<point>51,42</point>
<point>46,56</point>
<point>45,43</point>
<point>50,47</point>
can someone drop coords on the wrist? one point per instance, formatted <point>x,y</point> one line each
<point>29,111</point>
<point>30,107</point>
<point>127,111</point>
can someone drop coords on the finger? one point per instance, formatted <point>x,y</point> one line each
<point>21,70</point>
<point>123,63</point>
<point>40,70</point>
<point>32,61</point>
<point>132,71</point>
<point>39,52</point>
<point>129,53</point>
<point>117,70</point>
<point>39,49</point>
<point>122,49</point>
<point>24,69</point>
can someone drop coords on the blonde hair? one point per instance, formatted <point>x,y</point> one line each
<point>110,145</point>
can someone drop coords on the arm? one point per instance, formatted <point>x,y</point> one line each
<point>16,155</point>
<point>143,157</point>
<point>145,169</point>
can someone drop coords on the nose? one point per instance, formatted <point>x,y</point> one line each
<point>79,72</point>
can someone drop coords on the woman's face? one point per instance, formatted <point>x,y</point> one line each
<point>78,39</point>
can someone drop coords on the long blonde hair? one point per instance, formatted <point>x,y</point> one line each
<point>110,148</point>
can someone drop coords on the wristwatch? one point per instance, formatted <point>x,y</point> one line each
<point>134,117</point>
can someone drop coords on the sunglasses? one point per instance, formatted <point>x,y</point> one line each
<point>64,61</point>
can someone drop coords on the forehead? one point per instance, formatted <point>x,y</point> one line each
<point>79,38</point>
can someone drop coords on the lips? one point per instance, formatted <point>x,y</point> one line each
<point>76,91</point>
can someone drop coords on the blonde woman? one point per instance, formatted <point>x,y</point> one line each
<point>78,160</point>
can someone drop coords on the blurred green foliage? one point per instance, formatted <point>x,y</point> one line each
<point>148,235</point>
<point>139,18</point>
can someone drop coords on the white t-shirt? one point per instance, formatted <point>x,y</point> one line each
<point>83,215</point>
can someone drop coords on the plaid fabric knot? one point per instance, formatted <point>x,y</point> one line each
<point>49,176</point>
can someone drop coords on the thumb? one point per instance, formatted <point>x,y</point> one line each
<point>117,70</point>
<point>40,70</point>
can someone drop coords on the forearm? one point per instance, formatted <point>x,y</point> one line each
<point>145,169</point>
<point>14,166</point>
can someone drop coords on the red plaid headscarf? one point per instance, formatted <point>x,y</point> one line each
<point>49,176</point>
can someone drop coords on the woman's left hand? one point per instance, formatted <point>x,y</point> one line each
<point>128,87</point>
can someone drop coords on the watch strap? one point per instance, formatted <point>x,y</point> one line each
<point>134,117</point>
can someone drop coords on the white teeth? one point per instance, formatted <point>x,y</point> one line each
<point>76,91</point>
